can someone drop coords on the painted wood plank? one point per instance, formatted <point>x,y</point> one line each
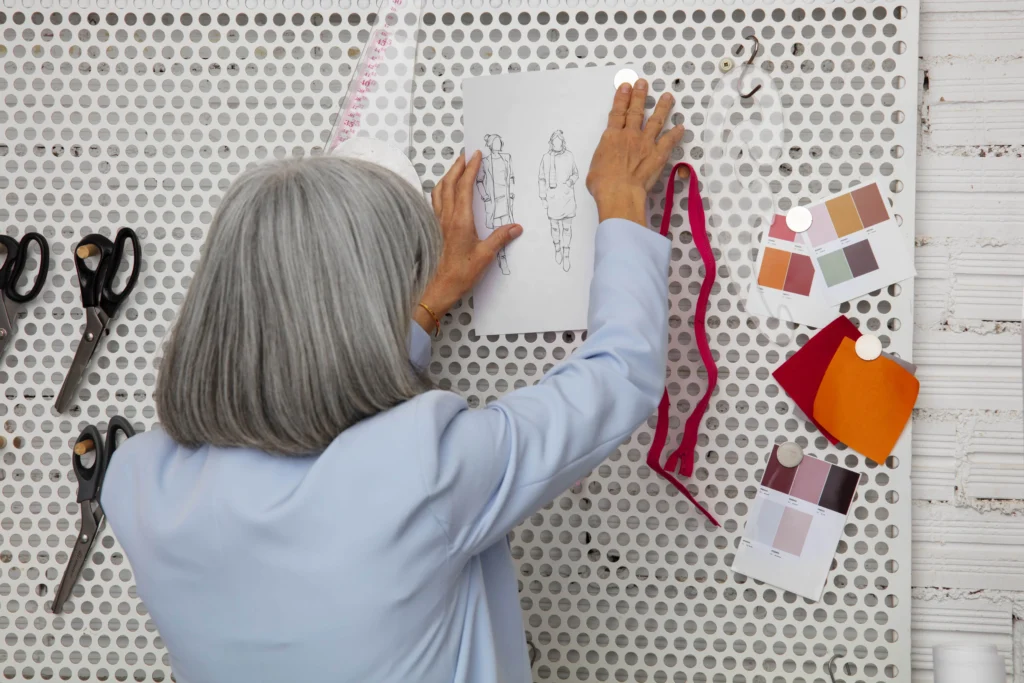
<point>932,286</point>
<point>991,32</point>
<point>995,461</point>
<point>958,620</point>
<point>966,370</point>
<point>975,103</point>
<point>964,548</point>
<point>988,283</point>
<point>966,81</point>
<point>978,197</point>
<point>976,5</point>
<point>933,462</point>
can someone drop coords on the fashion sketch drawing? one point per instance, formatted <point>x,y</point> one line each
<point>496,185</point>
<point>556,183</point>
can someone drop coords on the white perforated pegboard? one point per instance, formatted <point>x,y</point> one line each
<point>142,116</point>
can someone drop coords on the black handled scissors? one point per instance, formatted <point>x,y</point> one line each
<point>13,268</point>
<point>90,484</point>
<point>98,298</point>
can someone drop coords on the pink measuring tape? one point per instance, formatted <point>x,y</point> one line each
<point>679,463</point>
<point>387,32</point>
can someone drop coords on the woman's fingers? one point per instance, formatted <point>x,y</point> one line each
<point>464,192</point>
<point>498,239</point>
<point>620,105</point>
<point>670,140</point>
<point>435,198</point>
<point>451,179</point>
<point>659,117</point>
<point>637,101</point>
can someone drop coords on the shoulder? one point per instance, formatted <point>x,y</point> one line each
<point>147,445</point>
<point>140,450</point>
<point>126,471</point>
<point>432,411</point>
<point>413,424</point>
<point>155,438</point>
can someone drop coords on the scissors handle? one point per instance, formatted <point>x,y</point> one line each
<point>117,424</point>
<point>11,249</point>
<point>97,285</point>
<point>90,478</point>
<point>14,266</point>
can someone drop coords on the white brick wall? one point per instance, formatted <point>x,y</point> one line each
<point>968,451</point>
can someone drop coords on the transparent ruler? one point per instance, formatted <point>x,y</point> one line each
<point>379,101</point>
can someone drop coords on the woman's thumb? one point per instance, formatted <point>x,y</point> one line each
<point>501,237</point>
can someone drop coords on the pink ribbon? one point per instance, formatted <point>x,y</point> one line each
<point>679,463</point>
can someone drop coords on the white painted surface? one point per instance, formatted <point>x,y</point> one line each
<point>968,449</point>
<point>933,469</point>
<point>962,547</point>
<point>995,468</point>
<point>978,196</point>
<point>961,370</point>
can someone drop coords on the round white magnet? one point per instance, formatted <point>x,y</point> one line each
<point>798,219</point>
<point>869,347</point>
<point>790,454</point>
<point>381,153</point>
<point>625,76</point>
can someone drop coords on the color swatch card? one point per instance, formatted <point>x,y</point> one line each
<point>787,285</point>
<point>795,524</point>
<point>856,244</point>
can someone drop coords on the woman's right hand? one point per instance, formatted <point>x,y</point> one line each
<point>631,156</point>
<point>464,256</point>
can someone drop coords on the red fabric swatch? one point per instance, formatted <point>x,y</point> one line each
<point>801,375</point>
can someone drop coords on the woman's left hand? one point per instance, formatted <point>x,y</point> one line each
<point>464,257</point>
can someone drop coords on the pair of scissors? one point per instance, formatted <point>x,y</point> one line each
<point>98,298</point>
<point>11,271</point>
<point>90,484</point>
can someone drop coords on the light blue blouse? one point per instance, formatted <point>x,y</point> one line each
<point>384,559</point>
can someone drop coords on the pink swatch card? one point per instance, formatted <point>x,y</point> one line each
<point>795,524</point>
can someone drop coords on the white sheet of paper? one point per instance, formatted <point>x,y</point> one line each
<point>511,119</point>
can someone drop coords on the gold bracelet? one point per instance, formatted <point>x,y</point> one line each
<point>437,321</point>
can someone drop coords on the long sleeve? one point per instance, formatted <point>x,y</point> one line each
<point>419,346</point>
<point>481,179</point>
<point>542,179</point>
<point>499,464</point>
<point>575,174</point>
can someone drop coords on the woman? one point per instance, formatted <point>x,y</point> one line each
<point>310,510</point>
<point>496,184</point>
<point>556,181</point>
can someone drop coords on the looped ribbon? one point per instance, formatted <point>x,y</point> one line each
<point>679,463</point>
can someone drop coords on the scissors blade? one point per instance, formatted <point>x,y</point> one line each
<point>95,323</point>
<point>79,555</point>
<point>6,328</point>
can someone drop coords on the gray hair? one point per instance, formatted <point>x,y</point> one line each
<point>295,325</point>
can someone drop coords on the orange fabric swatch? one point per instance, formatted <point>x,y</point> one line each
<point>865,404</point>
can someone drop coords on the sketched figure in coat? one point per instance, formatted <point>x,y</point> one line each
<point>557,186</point>
<point>496,184</point>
